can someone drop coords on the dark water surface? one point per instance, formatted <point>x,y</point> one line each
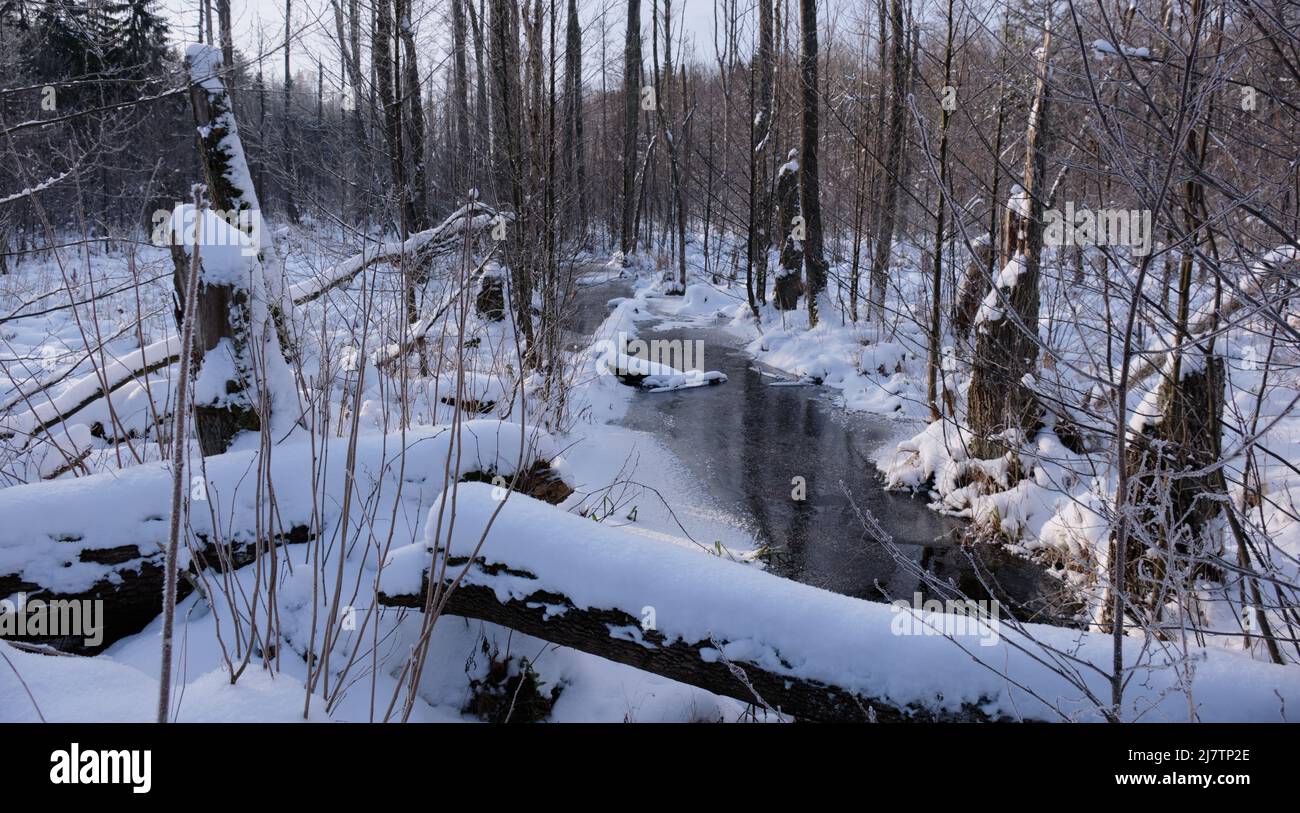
<point>747,439</point>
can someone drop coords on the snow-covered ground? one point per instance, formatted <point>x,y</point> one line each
<point>623,479</point>
<point>617,473</point>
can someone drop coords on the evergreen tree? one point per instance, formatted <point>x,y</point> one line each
<point>137,38</point>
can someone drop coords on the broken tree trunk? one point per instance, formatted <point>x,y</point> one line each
<point>974,287</point>
<point>789,280</point>
<point>1173,488</point>
<point>243,379</point>
<point>1003,410</point>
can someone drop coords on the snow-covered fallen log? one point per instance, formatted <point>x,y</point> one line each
<point>735,630</point>
<point>102,537</point>
<point>46,411</point>
<point>651,375</point>
<point>470,219</point>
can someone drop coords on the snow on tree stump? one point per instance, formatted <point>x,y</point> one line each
<point>490,303</point>
<point>240,329</point>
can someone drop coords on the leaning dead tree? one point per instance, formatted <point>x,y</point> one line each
<point>1001,405</point>
<point>242,378</point>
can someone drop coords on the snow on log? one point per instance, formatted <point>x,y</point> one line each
<point>736,630</point>
<point>102,537</point>
<point>46,412</point>
<point>473,218</point>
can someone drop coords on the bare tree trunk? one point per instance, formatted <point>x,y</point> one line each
<point>631,106</point>
<point>663,110</point>
<point>460,99</point>
<point>482,111</point>
<point>416,195</point>
<point>227,41</point>
<point>507,154</point>
<point>809,185</point>
<point>575,162</point>
<point>893,169</point>
<point>381,55</point>
<point>760,192</point>
<point>286,125</point>
<point>349,49</point>
<point>936,279</point>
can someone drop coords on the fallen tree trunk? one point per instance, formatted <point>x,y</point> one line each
<point>681,612</point>
<point>553,617</point>
<point>90,388</point>
<point>467,221</point>
<point>132,589</point>
<point>100,538</point>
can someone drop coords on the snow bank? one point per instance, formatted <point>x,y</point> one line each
<point>101,690</point>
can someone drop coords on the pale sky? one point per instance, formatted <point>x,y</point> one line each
<point>314,27</point>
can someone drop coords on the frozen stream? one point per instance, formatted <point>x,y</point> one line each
<point>746,441</point>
